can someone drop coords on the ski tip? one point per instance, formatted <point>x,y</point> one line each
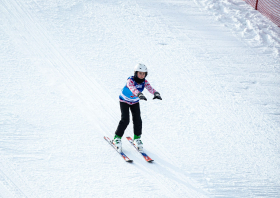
<point>129,161</point>
<point>150,161</point>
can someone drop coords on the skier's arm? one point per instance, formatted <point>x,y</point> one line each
<point>152,90</point>
<point>133,89</point>
<point>149,87</point>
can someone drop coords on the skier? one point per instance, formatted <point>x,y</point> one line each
<point>129,99</point>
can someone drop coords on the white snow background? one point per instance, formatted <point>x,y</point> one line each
<point>63,64</point>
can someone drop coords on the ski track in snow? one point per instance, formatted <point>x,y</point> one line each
<point>63,65</point>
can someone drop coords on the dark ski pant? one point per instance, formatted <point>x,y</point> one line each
<point>136,117</point>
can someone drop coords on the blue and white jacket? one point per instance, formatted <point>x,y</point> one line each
<point>132,88</point>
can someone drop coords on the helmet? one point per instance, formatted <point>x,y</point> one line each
<point>141,67</point>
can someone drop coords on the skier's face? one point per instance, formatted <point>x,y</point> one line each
<point>141,75</point>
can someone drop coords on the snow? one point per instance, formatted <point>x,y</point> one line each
<point>246,22</point>
<point>63,64</point>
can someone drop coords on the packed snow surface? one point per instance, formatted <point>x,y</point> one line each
<point>216,132</point>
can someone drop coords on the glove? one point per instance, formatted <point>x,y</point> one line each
<point>141,96</point>
<point>157,96</point>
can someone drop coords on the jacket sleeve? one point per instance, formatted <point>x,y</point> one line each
<point>149,87</point>
<point>132,88</point>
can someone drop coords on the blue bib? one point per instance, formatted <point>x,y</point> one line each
<point>127,95</point>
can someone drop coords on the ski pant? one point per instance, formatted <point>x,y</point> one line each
<point>136,117</point>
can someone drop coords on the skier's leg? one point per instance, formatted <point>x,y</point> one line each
<point>137,123</point>
<point>124,119</point>
<point>136,117</point>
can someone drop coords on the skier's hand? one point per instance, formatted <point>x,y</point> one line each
<point>157,96</point>
<point>141,96</point>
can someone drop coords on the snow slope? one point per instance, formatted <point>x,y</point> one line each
<point>214,134</point>
<point>246,22</point>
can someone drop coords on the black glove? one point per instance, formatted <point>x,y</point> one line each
<point>141,96</point>
<point>157,96</point>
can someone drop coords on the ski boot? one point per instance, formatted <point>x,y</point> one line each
<point>139,145</point>
<point>118,144</point>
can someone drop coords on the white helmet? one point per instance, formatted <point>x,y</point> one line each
<point>141,67</point>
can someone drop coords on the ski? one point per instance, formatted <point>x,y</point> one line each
<point>121,153</point>
<point>146,157</point>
